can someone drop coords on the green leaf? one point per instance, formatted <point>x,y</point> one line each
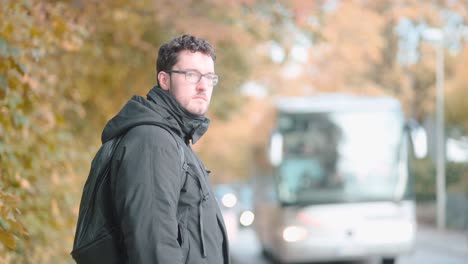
<point>3,86</point>
<point>13,101</point>
<point>4,47</point>
<point>18,66</point>
<point>3,146</point>
<point>6,50</point>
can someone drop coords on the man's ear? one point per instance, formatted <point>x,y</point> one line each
<point>164,80</point>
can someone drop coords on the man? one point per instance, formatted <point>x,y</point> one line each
<point>164,205</point>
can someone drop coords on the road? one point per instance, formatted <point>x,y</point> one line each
<point>432,247</point>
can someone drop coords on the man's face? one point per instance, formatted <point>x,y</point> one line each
<point>194,97</point>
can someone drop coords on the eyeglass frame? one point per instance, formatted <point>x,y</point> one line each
<point>215,80</point>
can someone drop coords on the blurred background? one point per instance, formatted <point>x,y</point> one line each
<point>66,67</point>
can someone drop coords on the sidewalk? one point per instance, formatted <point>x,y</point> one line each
<point>450,241</point>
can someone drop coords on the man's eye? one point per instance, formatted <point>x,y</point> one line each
<point>191,74</point>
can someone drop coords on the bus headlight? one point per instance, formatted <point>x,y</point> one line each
<point>246,218</point>
<point>294,233</point>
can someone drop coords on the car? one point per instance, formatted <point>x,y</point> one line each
<point>235,201</point>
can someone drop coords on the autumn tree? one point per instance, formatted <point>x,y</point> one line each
<point>37,157</point>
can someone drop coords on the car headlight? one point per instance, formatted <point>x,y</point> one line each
<point>229,200</point>
<point>247,218</point>
<point>294,233</point>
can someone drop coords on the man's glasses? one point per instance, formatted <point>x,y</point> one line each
<point>194,76</point>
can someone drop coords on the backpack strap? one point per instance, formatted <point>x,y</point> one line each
<point>178,143</point>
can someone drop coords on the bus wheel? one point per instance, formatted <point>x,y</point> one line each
<point>388,261</point>
<point>265,253</point>
<point>270,257</point>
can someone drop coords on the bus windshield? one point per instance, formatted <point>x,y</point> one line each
<point>340,157</point>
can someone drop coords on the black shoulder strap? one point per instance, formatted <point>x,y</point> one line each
<point>177,140</point>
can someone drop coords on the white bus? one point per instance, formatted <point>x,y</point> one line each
<point>337,186</point>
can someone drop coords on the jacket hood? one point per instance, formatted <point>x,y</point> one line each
<point>158,108</point>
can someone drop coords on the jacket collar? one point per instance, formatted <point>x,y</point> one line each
<point>191,127</point>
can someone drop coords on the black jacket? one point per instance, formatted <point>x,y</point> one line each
<point>165,208</point>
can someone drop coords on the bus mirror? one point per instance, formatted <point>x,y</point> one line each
<point>276,149</point>
<point>419,140</point>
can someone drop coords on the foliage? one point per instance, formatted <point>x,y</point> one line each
<point>455,104</point>
<point>424,171</point>
<point>457,177</point>
<point>38,162</point>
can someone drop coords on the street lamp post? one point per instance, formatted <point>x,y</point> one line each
<point>440,178</point>
<point>436,36</point>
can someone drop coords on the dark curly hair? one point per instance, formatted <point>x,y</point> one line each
<point>169,52</point>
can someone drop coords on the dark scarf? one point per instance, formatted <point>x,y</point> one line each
<point>192,126</point>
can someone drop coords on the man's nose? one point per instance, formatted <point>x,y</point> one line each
<point>203,84</point>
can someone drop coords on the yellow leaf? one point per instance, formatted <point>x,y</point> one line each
<point>18,227</point>
<point>7,239</point>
